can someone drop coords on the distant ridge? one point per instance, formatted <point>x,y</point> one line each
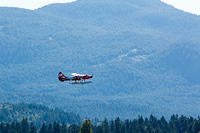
<point>144,55</point>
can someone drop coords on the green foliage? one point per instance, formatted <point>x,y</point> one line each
<point>176,124</point>
<point>86,127</point>
<point>35,113</point>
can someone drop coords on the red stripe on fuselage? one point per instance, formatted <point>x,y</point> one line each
<point>63,78</point>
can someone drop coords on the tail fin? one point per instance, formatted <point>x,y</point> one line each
<point>61,76</point>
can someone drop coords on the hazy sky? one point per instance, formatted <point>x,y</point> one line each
<point>30,4</point>
<point>192,6</point>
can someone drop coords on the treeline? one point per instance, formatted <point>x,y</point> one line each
<point>25,127</point>
<point>38,114</point>
<point>176,124</point>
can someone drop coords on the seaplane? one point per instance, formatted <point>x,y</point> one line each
<point>75,78</point>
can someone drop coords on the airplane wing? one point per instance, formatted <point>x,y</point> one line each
<point>79,75</point>
<point>73,74</point>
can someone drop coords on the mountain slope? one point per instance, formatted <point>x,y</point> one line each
<point>134,49</point>
<point>37,114</point>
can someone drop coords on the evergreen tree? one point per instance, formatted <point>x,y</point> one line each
<point>196,127</point>
<point>86,127</point>
<point>32,129</point>
<point>127,126</point>
<point>118,125</point>
<point>24,126</point>
<point>73,128</point>
<point>43,129</point>
<point>50,129</point>
<point>105,127</point>
<point>98,129</point>
<point>64,128</point>
<point>18,127</point>
<point>2,127</point>
<point>112,126</point>
<point>56,127</point>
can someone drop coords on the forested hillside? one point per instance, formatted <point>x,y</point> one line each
<point>36,114</point>
<point>140,125</point>
<point>144,55</point>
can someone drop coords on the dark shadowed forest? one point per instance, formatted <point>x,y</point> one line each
<point>176,124</point>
